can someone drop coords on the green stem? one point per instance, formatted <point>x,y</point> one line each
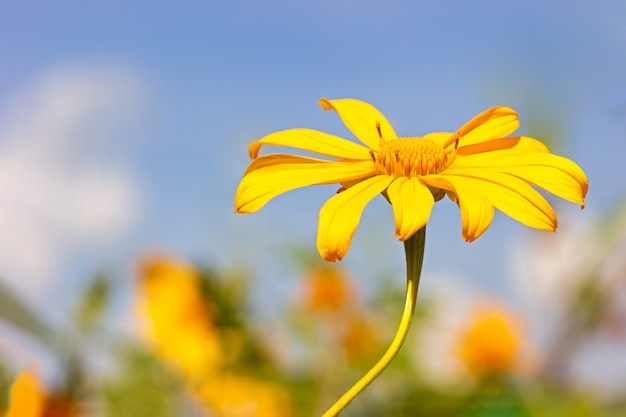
<point>414,251</point>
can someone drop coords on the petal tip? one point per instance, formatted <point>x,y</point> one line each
<point>242,209</point>
<point>331,257</point>
<point>325,104</point>
<point>253,150</point>
<point>469,239</point>
<point>402,237</point>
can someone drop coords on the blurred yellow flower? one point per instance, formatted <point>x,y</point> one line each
<point>328,295</point>
<point>178,320</point>
<point>360,339</point>
<point>477,166</point>
<point>28,397</point>
<point>492,342</point>
<point>181,326</point>
<point>230,395</point>
<point>327,290</point>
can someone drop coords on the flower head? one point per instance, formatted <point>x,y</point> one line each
<point>181,323</point>
<point>492,342</point>
<point>477,166</point>
<point>28,397</point>
<point>240,396</point>
<point>327,290</point>
<point>178,319</point>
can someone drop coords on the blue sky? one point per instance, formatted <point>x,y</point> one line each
<point>170,97</point>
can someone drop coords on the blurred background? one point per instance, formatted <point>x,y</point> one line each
<point>129,287</point>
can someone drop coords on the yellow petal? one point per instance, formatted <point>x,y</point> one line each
<point>361,118</point>
<point>340,216</point>
<point>476,215</point>
<point>494,123</point>
<point>554,173</point>
<point>271,175</point>
<point>515,144</point>
<point>552,180</point>
<point>476,209</point>
<point>312,141</point>
<point>508,194</point>
<point>549,178</point>
<point>412,203</point>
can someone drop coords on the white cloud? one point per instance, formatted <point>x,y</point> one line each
<point>60,185</point>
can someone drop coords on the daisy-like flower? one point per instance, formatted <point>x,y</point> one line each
<point>477,166</point>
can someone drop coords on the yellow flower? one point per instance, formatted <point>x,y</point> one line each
<point>28,397</point>
<point>178,319</point>
<point>182,327</point>
<point>360,338</point>
<point>477,166</point>
<point>492,342</point>
<point>327,290</point>
<point>230,395</point>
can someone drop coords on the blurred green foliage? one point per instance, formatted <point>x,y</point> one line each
<point>322,344</point>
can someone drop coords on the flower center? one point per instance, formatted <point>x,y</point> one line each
<point>410,157</point>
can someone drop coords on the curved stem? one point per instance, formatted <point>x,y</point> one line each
<point>414,251</point>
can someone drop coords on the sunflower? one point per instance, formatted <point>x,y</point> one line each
<point>478,166</point>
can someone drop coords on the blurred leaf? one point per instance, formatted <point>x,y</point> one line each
<point>498,400</point>
<point>548,402</point>
<point>613,223</point>
<point>228,293</point>
<point>93,303</point>
<point>143,387</point>
<point>6,381</point>
<point>413,399</point>
<point>228,303</point>
<point>15,312</point>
